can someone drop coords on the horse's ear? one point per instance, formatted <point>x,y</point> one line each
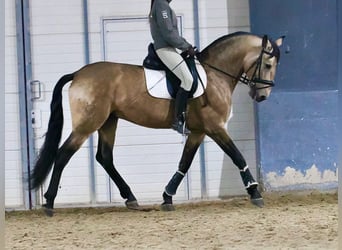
<point>279,41</point>
<point>264,41</point>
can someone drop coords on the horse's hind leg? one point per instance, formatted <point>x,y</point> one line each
<point>104,156</point>
<point>70,146</point>
<point>192,143</point>
<point>225,142</point>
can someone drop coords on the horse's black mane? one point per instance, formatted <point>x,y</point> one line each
<point>223,38</point>
<point>238,33</point>
<point>275,52</point>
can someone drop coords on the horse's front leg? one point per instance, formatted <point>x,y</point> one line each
<point>192,143</point>
<point>222,138</point>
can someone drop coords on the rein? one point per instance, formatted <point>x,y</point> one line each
<point>243,77</point>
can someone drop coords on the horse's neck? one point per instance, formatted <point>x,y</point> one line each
<point>227,63</point>
<point>230,55</point>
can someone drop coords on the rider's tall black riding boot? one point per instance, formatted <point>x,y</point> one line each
<point>180,110</point>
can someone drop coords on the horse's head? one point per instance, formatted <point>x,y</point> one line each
<point>260,68</point>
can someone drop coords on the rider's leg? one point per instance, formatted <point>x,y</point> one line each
<point>177,65</point>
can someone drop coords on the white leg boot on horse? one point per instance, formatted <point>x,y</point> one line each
<point>222,139</point>
<point>193,141</point>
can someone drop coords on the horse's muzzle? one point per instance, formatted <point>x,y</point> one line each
<point>258,97</point>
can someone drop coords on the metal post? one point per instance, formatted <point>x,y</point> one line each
<point>196,24</point>
<point>2,125</point>
<point>91,138</point>
<point>339,78</point>
<point>25,102</point>
<point>203,169</point>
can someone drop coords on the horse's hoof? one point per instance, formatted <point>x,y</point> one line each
<point>167,207</point>
<point>132,205</point>
<point>256,197</point>
<point>48,212</point>
<point>259,202</point>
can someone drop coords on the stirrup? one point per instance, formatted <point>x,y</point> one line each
<point>180,128</point>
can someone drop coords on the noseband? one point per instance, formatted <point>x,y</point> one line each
<point>257,64</point>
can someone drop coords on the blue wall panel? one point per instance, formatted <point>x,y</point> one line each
<point>297,127</point>
<point>310,28</point>
<point>298,130</point>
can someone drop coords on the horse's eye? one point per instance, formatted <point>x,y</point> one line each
<point>268,66</point>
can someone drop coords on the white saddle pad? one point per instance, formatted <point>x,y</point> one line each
<point>156,82</point>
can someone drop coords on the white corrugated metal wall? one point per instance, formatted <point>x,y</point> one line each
<point>146,158</point>
<point>13,172</point>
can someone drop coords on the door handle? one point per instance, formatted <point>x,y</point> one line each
<point>36,89</point>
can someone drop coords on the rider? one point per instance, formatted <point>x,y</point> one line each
<point>166,37</point>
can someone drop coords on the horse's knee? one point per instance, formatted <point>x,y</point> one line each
<point>99,158</point>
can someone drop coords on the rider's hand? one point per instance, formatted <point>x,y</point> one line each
<point>192,51</point>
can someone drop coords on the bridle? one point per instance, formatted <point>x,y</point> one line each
<point>251,82</point>
<point>256,77</point>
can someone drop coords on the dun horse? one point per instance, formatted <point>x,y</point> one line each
<point>101,93</point>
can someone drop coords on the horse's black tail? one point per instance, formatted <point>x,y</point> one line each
<point>53,135</point>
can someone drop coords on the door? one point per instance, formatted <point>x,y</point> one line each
<point>57,44</point>
<point>146,158</point>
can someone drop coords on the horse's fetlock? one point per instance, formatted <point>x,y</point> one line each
<point>49,204</point>
<point>167,198</point>
<point>254,192</point>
